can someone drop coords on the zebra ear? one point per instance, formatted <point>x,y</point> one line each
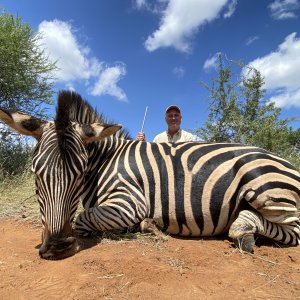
<point>23,123</point>
<point>96,131</point>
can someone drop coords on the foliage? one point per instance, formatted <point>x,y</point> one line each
<point>239,113</point>
<point>294,138</point>
<point>25,85</point>
<point>15,156</point>
<point>224,118</point>
<point>25,73</point>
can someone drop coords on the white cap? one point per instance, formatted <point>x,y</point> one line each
<point>173,107</point>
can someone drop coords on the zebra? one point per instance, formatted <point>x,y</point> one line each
<point>192,189</point>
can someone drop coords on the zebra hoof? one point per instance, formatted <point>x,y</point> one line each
<point>245,243</point>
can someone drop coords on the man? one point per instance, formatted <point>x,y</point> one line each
<point>174,134</point>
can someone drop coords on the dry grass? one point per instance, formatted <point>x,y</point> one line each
<point>18,200</point>
<point>146,239</point>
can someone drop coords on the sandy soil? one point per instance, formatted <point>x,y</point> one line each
<point>145,268</point>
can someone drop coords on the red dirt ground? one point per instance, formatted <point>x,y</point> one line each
<point>145,268</point>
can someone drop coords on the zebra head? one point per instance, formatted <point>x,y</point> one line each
<point>60,162</point>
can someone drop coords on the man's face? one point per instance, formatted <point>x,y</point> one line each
<point>173,119</point>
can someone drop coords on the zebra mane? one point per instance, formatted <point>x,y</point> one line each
<point>72,108</point>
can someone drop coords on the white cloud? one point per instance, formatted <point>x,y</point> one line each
<point>287,99</point>
<point>141,4</point>
<point>284,9</point>
<point>74,60</point>
<point>107,82</point>
<point>179,72</point>
<point>180,20</point>
<point>212,63</point>
<point>62,46</point>
<point>281,70</point>
<point>150,5</point>
<point>231,9</point>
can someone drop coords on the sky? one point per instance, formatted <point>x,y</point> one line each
<point>125,55</point>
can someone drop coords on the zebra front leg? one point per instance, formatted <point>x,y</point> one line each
<point>249,223</point>
<point>109,216</point>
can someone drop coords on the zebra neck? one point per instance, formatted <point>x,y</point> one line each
<point>101,151</point>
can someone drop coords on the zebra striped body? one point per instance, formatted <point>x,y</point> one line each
<point>188,189</point>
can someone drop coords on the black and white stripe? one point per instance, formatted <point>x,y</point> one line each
<point>192,189</point>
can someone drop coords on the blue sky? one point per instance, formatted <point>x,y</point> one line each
<point>124,55</point>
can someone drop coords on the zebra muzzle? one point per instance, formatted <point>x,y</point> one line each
<point>58,248</point>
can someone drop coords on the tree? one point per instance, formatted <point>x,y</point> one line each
<point>239,113</point>
<point>26,84</point>
<point>293,152</point>
<point>25,73</point>
<point>294,138</point>
<point>224,117</point>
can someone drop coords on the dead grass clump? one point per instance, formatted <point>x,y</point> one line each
<point>145,239</point>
